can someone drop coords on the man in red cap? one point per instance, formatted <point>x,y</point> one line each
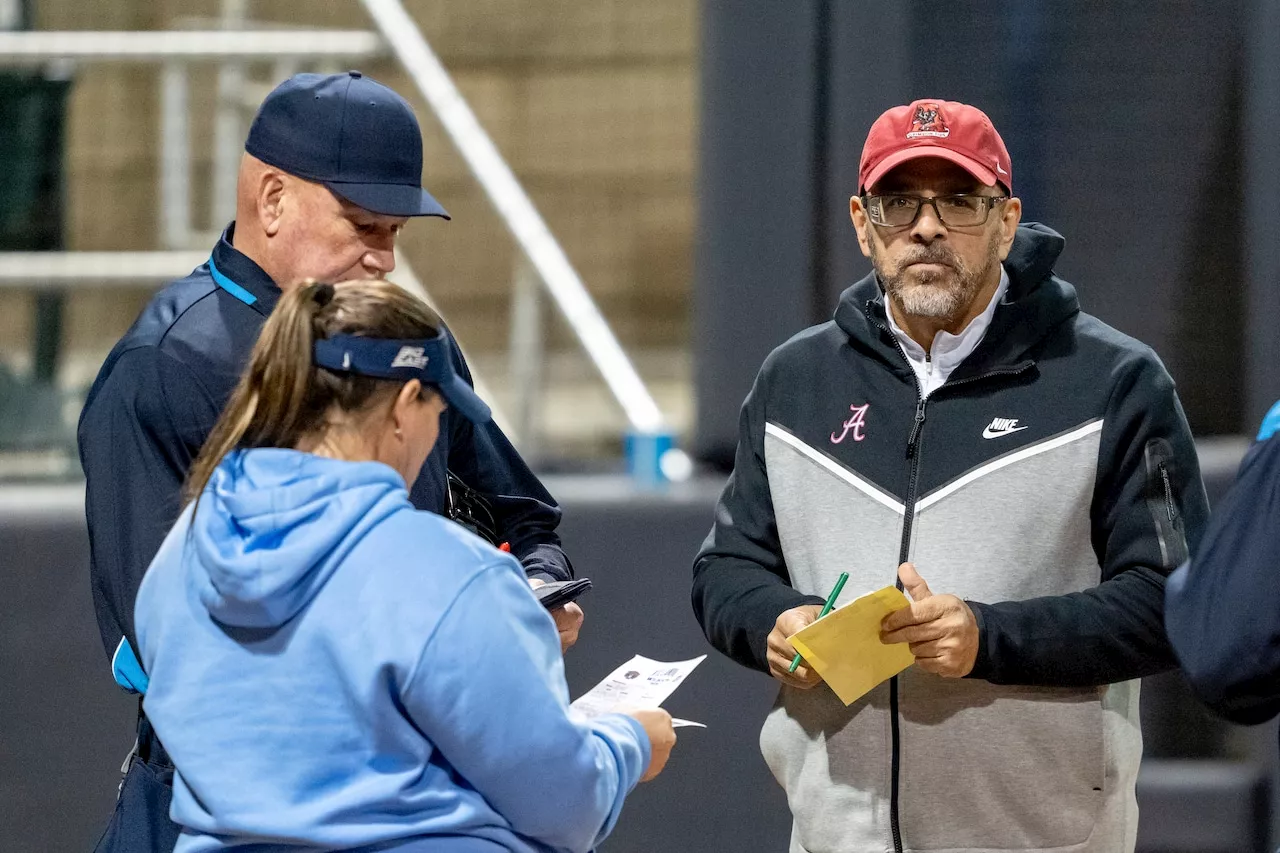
<point>960,425</point>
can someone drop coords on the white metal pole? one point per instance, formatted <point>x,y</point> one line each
<point>517,211</point>
<point>228,130</point>
<point>63,269</point>
<point>407,279</point>
<point>44,46</point>
<point>526,354</point>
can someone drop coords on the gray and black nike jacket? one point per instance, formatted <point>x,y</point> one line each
<point>1052,482</point>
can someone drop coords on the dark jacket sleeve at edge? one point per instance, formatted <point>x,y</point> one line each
<point>1222,609</point>
<point>1149,507</point>
<point>740,582</point>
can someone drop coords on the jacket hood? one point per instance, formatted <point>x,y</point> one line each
<point>273,525</point>
<point>1037,300</point>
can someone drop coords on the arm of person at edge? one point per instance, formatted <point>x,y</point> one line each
<point>742,593</point>
<point>1142,529</point>
<point>1222,609</point>
<point>525,513</point>
<point>137,438</point>
<point>557,778</point>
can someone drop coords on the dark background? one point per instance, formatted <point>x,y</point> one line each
<point>1145,133</point>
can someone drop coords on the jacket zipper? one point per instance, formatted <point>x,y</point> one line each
<point>908,519</point>
<point>895,762</point>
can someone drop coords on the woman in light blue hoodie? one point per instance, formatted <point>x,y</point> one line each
<point>331,668</point>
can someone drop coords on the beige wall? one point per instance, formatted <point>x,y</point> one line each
<point>592,102</point>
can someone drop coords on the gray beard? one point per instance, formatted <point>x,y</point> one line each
<point>944,296</point>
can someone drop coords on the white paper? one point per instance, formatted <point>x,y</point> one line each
<point>677,723</point>
<point>639,683</point>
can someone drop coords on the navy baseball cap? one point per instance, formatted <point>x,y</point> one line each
<point>350,133</point>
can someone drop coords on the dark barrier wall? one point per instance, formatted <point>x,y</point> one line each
<point>66,728</point>
<point>716,794</point>
<point>1141,131</point>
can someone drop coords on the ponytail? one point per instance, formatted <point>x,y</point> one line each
<point>283,397</point>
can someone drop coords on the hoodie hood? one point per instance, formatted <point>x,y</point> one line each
<point>273,525</point>
<point>1037,300</point>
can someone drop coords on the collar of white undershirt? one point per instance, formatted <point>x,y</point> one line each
<point>949,350</point>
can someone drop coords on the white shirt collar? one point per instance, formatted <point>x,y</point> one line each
<point>948,350</point>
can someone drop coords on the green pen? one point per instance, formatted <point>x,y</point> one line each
<point>826,608</point>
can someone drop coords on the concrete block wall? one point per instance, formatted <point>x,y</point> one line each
<point>593,102</point>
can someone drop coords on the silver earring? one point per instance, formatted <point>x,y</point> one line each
<point>397,432</point>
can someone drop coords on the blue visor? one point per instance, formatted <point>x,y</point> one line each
<point>426,360</point>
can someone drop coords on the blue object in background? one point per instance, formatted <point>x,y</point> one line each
<point>644,451</point>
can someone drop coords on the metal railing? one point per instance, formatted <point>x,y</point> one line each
<point>41,48</point>
<point>545,262</point>
<point>59,270</point>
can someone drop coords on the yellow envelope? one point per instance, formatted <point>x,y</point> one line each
<point>844,646</point>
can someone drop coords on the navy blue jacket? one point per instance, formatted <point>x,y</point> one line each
<point>1222,609</point>
<point>158,395</point>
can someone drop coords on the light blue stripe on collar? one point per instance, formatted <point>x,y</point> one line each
<point>230,286</point>
<point>1270,424</point>
<point>127,671</point>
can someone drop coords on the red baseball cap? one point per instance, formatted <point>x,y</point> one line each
<point>931,128</point>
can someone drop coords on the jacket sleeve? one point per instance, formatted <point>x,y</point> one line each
<point>1149,505</point>
<point>525,513</point>
<point>489,693</point>
<point>1222,609</point>
<point>740,580</point>
<point>137,437</point>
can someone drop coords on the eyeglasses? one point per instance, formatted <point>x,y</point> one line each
<point>953,211</point>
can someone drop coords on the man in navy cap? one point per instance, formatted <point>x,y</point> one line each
<point>331,173</point>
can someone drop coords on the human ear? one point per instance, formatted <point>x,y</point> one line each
<point>860,224</point>
<point>272,200</point>
<point>1010,217</point>
<point>409,396</point>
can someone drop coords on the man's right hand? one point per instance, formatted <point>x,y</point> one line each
<point>662,736</point>
<point>781,652</point>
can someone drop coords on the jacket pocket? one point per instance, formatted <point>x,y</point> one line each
<point>996,767</point>
<point>1162,473</point>
<point>833,763</point>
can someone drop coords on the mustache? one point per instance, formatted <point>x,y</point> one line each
<point>932,254</point>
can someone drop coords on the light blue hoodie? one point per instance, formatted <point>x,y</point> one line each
<point>333,669</point>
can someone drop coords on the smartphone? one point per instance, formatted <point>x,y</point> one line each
<point>557,594</point>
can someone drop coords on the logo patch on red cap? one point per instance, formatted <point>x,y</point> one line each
<point>928,121</point>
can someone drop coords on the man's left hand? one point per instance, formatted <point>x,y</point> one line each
<point>941,629</point>
<point>568,619</point>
